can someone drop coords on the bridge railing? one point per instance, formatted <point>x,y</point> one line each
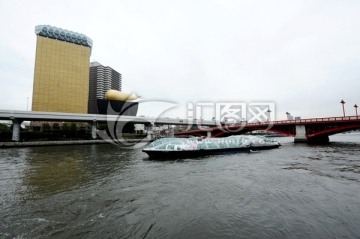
<point>313,120</point>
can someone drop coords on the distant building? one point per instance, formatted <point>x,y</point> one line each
<point>61,76</point>
<point>139,128</point>
<point>102,78</point>
<point>289,116</point>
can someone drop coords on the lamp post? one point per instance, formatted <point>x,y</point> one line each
<point>343,103</point>
<point>355,106</point>
<point>269,111</point>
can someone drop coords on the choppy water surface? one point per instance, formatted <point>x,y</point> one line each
<point>101,191</point>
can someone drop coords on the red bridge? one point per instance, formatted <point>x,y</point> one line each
<point>304,130</point>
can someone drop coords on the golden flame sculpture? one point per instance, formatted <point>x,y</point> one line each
<point>119,95</point>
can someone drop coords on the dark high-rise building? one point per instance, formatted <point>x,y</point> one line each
<point>102,78</point>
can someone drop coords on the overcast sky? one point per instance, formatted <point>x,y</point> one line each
<point>304,56</point>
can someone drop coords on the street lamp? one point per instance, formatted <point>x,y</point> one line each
<point>269,111</point>
<point>355,106</point>
<point>343,103</point>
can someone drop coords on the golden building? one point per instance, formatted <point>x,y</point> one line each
<point>61,78</point>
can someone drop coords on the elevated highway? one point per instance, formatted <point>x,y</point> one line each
<point>17,117</point>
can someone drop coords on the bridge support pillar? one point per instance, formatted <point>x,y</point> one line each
<point>150,133</point>
<point>93,130</point>
<point>16,130</point>
<point>208,134</point>
<point>300,135</point>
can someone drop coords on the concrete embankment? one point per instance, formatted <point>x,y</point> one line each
<point>57,143</point>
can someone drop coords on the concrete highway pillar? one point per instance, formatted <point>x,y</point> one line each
<point>150,133</point>
<point>171,132</point>
<point>300,135</point>
<point>16,130</point>
<point>93,129</point>
<point>208,134</point>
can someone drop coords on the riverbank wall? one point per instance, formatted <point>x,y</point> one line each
<point>58,143</point>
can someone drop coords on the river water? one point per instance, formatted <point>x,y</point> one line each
<point>102,191</point>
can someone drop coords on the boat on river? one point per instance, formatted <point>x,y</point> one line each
<point>196,146</point>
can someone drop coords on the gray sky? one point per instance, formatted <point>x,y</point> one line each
<point>303,56</point>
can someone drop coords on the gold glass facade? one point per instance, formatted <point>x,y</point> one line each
<point>61,78</point>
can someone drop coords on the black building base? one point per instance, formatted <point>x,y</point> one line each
<point>115,107</point>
